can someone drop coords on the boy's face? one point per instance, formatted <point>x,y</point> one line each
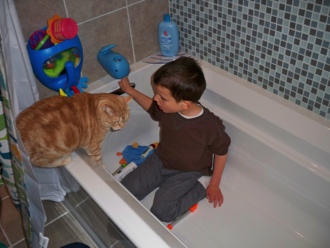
<point>165,100</point>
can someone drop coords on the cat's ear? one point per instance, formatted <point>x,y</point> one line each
<point>104,105</point>
<point>127,99</point>
<point>107,109</point>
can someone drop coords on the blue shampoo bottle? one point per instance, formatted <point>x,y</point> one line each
<point>168,37</point>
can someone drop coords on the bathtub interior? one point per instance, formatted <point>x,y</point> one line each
<point>257,178</point>
<point>274,146</point>
<point>274,197</point>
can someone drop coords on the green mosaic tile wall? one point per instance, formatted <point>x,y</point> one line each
<point>282,46</point>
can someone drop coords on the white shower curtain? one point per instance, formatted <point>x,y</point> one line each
<point>27,185</point>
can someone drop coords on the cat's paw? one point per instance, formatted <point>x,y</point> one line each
<point>67,160</point>
<point>62,161</point>
<point>100,163</point>
<point>97,159</point>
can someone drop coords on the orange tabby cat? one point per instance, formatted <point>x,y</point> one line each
<point>51,129</point>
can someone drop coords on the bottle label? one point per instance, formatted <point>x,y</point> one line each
<point>166,41</point>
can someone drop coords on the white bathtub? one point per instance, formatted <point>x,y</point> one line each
<point>276,183</point>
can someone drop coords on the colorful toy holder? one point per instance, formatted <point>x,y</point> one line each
<point>58,66</point>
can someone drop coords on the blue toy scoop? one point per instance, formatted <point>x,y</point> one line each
<point>115,64</point>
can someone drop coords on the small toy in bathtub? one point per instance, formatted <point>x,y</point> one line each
<point>181,217</point>
<point>133,156</point>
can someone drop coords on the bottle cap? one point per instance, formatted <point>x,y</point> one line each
<point>167,18</point>
<point>60,29</point>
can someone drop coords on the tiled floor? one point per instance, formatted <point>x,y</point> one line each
<point>62,227</point>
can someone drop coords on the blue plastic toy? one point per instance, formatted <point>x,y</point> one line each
<point>114,63</point>
<point>59,67</point>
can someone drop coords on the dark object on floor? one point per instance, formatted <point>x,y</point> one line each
<point>76,245</point>
<point>2,245</point>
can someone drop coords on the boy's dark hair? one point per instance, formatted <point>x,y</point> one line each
<point>184,78</point>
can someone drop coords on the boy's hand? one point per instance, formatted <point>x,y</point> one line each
<point>125,85</point>
<point>214,195</point>
<point>143,100</point>
<point>213,192</point>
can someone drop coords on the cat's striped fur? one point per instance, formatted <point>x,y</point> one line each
<point>52,128</point>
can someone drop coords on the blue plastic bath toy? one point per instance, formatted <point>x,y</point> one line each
<point>114,63</point>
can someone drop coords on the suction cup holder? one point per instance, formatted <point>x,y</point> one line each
<point>59,66</point>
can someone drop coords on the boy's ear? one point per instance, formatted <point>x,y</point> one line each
<point>185,104</point>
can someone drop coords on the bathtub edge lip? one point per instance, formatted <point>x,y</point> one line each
<point>81,174</point>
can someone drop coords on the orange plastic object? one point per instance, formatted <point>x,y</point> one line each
<point>170,226</point>
<point>119,153</point>
<point>192,209</point>
<point>122,161</point>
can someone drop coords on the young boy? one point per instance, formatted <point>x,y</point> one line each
<point>193,144</point>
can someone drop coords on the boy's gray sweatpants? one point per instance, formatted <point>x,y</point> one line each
<point>177,192</point>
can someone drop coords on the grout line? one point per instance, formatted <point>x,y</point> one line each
<point>5,197</point>
<point>83,225</point>
<point>130,31</point>
<point>5,234</point>
<point>111,12</point>
<point>108,13</point>
<point>23,239</point>
<point>66,9</point>
<point>114,244</point>
<point>83,201</point>
<point>97,17</point>
<point>57,218</point>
